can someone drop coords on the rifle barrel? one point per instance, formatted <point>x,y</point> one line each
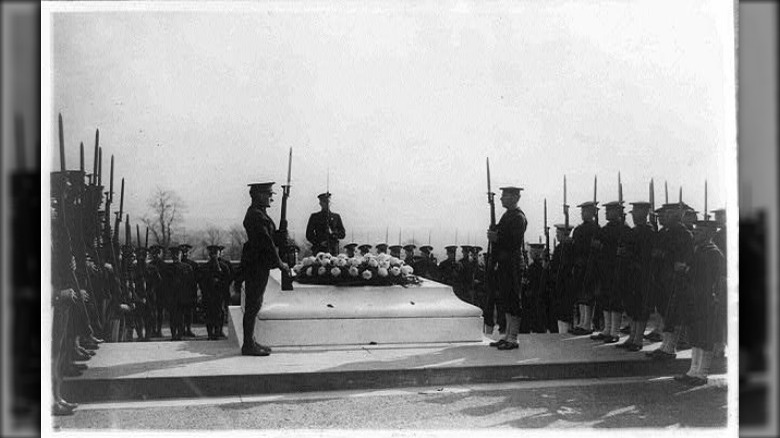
<point>62,143</point>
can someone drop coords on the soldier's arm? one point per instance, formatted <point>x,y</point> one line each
<point>311,234</point>
<point>267,242</point>
<point>339,230</point>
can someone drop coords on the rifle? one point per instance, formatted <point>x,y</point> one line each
<point>489,262</point>
<point>282,233</point>
<point>565,205</point>
<point>653,216</point>
<point>546,233</point>
<point>595,198</point>
<point>706,211</point>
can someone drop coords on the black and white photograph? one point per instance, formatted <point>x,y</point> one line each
<point>411,218</point>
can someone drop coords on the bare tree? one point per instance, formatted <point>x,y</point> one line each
<point>166,210</point>
<point>238,237</point>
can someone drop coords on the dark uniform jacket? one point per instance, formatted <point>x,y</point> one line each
<point>259,252</point>
<point>214,281</point>
<point>448,272</point>
<point>156,282</point>
<point>192,294</point>
<point>317,232</point>
<point>610,236</point>
<point>708,294</point>
<point>180,282</point>
<point>634,280</point>
<point>562,294</point>
<point>508,250</point>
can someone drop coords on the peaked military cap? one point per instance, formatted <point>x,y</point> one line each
<point>511,189</point>
<point>586,204</point>
<point>563,227</point>
<point>325,195</point>
<point>126,249</point>
<point>613,204</point>
<point>465,247</point>
<point>155,248</point>
<point>351,245</point>
<point>394,247</point>
<point>451,248</point>
<point>409,247</point>
<point>640,206</point>
<point>380,246</point>
<point>365,246</point>
<point>174,248</point>
<point>426,248</point>
<point>478,248</point>
<point>262,187</point>
<point>215,248</point>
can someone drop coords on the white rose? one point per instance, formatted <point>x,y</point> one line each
<point>320,255</point>
<point>356,261</point>
<point>325,262</point>
<point>382,257</point>
<point>395,270</point>
<point>343,262</point>
<point>335,272</point>
<point>395,261</point>
<point>406,269</point>
<point>342,256</point>
<point>382,272</point>
<point>298,267</point>
<point>310,271</point>
<point>384,265</point>
<point>373,263</point>
<point>307,261</point>
<point>367,274</point>
<point>353,271</point>
<point>322,270</point>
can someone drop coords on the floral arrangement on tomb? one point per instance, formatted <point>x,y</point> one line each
<point>368,270</point>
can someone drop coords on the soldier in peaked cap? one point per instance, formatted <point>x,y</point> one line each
<point>533,301</point>
<point>258,257</point>
<point>609,267</point>
<point>158,294</point>
<point>325,228</point>
<point>191,298</point>
<point>465,283</point>
<point>364,249</point>
<point>395,251</point>
<point>448,268</point>
<point>381,248</point>
<point>720,237</point>
<point>180,283</point>
<point>563,298</point>
<point>214,280</point>
<point>708,293</point>
<point>426,266</point>
<point>350,249</point>
<point>508,240</point>
<point>583,255</point>
<point>634,281</point>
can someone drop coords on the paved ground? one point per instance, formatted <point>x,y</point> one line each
<point>596,403</point>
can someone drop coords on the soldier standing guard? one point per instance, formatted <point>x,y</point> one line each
<point>448,268</point>
<point>608,264</point>
<point>563,299</point>
<point>395,251</point>
<point>190,299</point>
<point>535,296</point>
<point>465,290</point>
<point>708,293</point>
<point>635,284</point>
<point>226,298</point>
<point>381,248</point>
<point>325,228</point>
<point>160,297</point>
<point>427,264</point>
<point>364,249</point>
<point>582,250</point>
<point>179,284</point>
<point>409,256</point>
<point>214,280</point>
<point>258,257</point>
<point>508,241</point>
<point>350,249</point>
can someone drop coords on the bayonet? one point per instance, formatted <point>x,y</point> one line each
<point>666,192</point>
<point>565,205</point>
<point>706,211</point>
<point>62,144</point>
<point>81,156</point>
<point>620,190</point>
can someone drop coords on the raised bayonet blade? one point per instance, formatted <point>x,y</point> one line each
<point>620,189</point>
<point>680,196</point>
<point>138,235</point>
<point>95,159</point>
<point>652,196</point>
<point>706,210</point>
<point>487,162</point>
<point>666,192</point>
<point>564,191</point>
<point>595,188</point>
<point>62,144</point>
<point>429,237</point>
<point>146,243</point>
<point>111,184</point>
<point>122,199</point>
<point>289,167</point>
<point>81,156</point>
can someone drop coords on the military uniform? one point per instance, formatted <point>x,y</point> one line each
<point>158,295</point>
<point>317,229</point>
<point>395,251</point>
<point>448,268</point>
<point>190,300</point>
<point>583,271</point>
<point>214,281</point>
<point>533,300</point>
<point>364,249</point>
<point>426,266</point>
<point>465,283</point>
<point>563,297</point>
<point>181,281</point>
<point>258,257</point>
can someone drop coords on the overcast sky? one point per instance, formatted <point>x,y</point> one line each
<point>401,104</point>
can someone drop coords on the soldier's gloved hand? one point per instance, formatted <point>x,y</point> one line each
<point>284,267</point>
<point>124,307</point>
<point>492,236</point>
<point>84,295</point>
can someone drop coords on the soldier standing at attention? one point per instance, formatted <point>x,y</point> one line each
<point>563,299</point>
<point>465,275</point>
<point>214,280</point>
<point>350,249</point>
<point>427,264</point>
<point>226,296</point>
<point>608,295</point>
<point>190,299</point>
<point>395,251</point>
<point>582,240</point>
<point>364,249</point>
<point>636,253</point>
<point>180,279</point>
<point>708,293</point>
<point>409,256</point>
<point>508,241</point>
<point>325,228</point>
<point>532,302</point>
<point>258,257</point>
<point>381,248</point>
<point>448,268</point>
<point>158,294</point>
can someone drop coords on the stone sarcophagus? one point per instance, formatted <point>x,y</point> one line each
<point>360,315</point>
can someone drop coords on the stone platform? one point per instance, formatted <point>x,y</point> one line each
<point>200,368</point>
<point>314,315</point>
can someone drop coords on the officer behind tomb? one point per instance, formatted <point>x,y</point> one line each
<point>325,228</point>
<point>508,241</point>
<point>409,258</point>
<point>180,281</point>
<point>448,268</point>
<point>258,257</point>
<point>364,249</point>
<point>350,249</point>
<point>214,280</point>
<point>395,251</point>
<point>381,248</point>
<point>426,265</point>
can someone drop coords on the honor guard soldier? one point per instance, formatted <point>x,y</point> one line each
<point>325,228</point>
<point>508,241</point>
<point>465,286</point>
<point>144,325</point>
<point>720,237</point>
<point>448,268</point>
<point>608,295</point>
<point>214,280</point>
<point>676,251</point>
<point>258,257</point>
<point>426,266</point>
<point>635,281</point>
<point>231,278</point>
<point>364,249</point>
<point>381,248</point>
<point>158,294</point>
<point>708,293</point>
<point>191,299</point>
<point>181,281</point>
<point>350,249</point>
<point>409,254</point>
<point>395,251</point>
<point>690,216</point>
<point>563,298</point>
<point>584,260</point>
<point>533,305</point>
